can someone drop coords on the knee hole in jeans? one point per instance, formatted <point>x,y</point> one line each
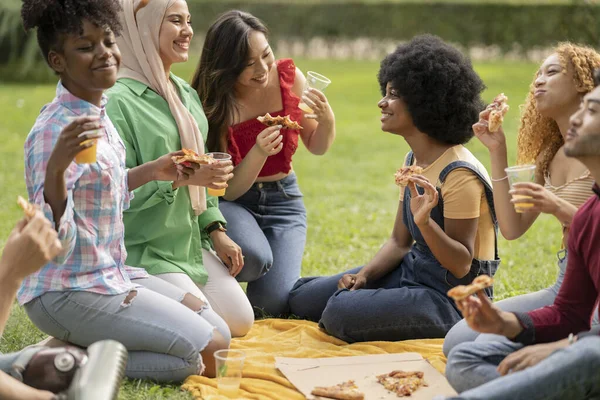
<point>193,303</point>
<point>129,299</point>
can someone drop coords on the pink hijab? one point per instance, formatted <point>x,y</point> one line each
<point>140,60</point>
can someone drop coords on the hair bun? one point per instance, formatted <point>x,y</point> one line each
<point>33,12</point>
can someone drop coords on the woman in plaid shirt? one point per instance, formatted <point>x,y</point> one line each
<point>87,293</point>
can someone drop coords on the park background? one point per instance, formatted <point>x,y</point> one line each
<point>349,192</point>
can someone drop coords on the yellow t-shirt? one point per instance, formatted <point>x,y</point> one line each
<point>464,196</point>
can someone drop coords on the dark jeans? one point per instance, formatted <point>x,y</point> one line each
<point>392,308</point>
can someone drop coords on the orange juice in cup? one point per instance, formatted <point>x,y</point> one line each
<point>313,80</point>
<point>87,156</point>
<point>218,157</point>
<point>521,173</point>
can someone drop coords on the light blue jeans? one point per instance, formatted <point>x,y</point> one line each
<point>269,223</point>
<point>461,332</point>
<point>571,373</point>
<point>164,338</point>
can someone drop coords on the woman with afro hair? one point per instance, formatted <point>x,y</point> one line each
<point>87,293</point>
<point>444,233</point>
<point>562,183</point>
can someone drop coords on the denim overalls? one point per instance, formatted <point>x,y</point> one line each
<point>410,302</point>
<point>426,269</point>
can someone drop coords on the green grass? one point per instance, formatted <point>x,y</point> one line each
<point>349,192</point>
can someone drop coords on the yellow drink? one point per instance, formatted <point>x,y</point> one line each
<point>305,108</point>
<point>520,206</point>
<point>216,192</point>
<point>229,387</point>
<point>87,156</point>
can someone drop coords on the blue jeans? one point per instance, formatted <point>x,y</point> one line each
<point>164,338</point>
<point>392,308</point>
<point>461,332</point>
<point>269,223</point>
<point>570,373</point>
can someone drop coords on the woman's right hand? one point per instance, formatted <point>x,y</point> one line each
<point>352,282</point>
<point>270,141</point>
<point>214,176</point>
<point>69,143</point>
<point>491,140</point>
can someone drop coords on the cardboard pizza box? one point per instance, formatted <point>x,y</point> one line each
<point>306,373</point>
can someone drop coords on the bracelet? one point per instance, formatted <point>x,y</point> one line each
<point>501,179</point>
<point>571,338</point>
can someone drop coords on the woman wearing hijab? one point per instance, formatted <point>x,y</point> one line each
<point>174,230</point>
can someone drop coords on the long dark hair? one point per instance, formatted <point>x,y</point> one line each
<point>224,57</point>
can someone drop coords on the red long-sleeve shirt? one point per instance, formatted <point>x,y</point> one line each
<point>580,292</point>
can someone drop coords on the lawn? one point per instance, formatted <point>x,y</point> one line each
<point>349,192</point>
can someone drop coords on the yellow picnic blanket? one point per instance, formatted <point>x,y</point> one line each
<point>272,338</point>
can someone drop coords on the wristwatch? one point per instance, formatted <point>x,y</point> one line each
<point>214,227</point>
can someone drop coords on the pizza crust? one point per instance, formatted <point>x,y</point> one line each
<point>285,121</point>
<point>498,109</point>
<point>342,391</point>
<point>404,173</point>
<point>28,208</point>
<point>461,292</point>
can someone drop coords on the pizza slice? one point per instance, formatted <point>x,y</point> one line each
<point>403,383</point>
<point>190,156</point>
<point>404,173</point>
<point>342,391</point>
<point>498,109</point>
<point>28,208</point>
<point>461,292</point>
<point>284,121</point>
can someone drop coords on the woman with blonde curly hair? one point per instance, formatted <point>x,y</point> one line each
<point>561,184</point>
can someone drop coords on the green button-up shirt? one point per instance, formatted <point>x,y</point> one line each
<point>162,234</point>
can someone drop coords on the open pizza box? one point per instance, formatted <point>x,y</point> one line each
<point>306,373</point>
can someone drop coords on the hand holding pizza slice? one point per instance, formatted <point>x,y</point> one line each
<point>497,109</point>
<point>190,156</point>
<point>403,174</point>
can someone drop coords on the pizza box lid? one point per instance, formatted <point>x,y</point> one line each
<point>306,373</point>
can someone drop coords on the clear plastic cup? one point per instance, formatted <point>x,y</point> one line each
<point>219,157</point>
<point>230,364</point>
<point>88,156</point>
<point>521,173</point>
<point>316,81</point>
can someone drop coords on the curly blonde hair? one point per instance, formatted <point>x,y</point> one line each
<point>539,137</point>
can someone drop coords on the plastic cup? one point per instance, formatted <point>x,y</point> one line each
<point>316,81</point>
<point>521,173</point>
<point>229,365</point>
<point>87,156</point>
<point>219,157</point>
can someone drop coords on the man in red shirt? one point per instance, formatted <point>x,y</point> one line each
<point>552,353</point>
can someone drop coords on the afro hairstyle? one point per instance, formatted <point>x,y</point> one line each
<point>437,82</point>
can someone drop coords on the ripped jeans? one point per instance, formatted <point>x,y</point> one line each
<point>164,338</point>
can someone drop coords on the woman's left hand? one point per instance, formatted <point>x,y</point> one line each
<point>542,199</point>
<point>316,100</point>
<point>228,251</point>
<point>422,204</point>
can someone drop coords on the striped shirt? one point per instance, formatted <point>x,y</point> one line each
<point>91,228</point>
<point>576,191</point>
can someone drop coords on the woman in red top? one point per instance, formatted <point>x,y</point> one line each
<point>239,80</point>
